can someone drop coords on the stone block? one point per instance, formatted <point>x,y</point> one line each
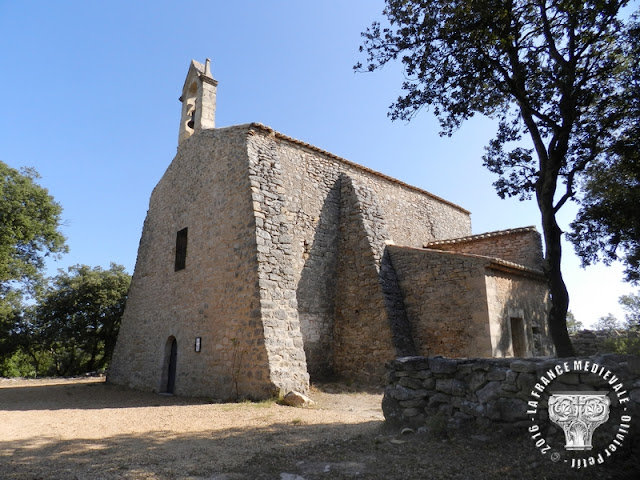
<point>485,367</point>
<point>451,386</point>
<point>507,410</point>
<point>422,374</point>
<point>403,393</point>
<point>416,402</point>
<point>476,380</point>
<point>473,408</point>
<point>526,381</point>
<point>510,387</point>
<point>590,379</point>
<point>411,363</point>
<point>429,383</point>
<point>297,399</point>
<point>489,392</point>
<point>523,366</point>
<point>465,368</point>
<point>497,374</point>
<point>446,409</point>
<point>410,382</point>
<point>411,412</point>
<point>442,365</point>
<point>439,398</point>
<point>461,420</point>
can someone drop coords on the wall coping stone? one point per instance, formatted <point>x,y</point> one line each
<point>481,236</point>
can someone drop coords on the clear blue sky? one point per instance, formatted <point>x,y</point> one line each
<point>90,99</point>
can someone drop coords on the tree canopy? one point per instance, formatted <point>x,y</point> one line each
<point>29,232</point>
<point>29,229</point>
<point>631,305</point>
<point>79,316</point>
<point>74,326</point>
<point>551,72</point>
<point>608,224</point>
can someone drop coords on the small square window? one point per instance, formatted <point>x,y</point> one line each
<point>181,249</point>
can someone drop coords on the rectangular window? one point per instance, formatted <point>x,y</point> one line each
<point>181,249</point>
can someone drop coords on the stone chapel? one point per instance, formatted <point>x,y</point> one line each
<point>266,263</point>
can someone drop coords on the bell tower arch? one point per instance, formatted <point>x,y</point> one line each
<point>198,100</point>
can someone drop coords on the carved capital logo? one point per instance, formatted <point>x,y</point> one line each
<point>579,414</point>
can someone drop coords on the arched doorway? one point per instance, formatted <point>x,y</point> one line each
<point>169,370</point>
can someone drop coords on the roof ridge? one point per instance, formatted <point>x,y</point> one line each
<point>356,165</point>
<point>481,236</point>
<point>494,262</point>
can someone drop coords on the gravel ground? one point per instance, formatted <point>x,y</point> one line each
<point>86,429</point>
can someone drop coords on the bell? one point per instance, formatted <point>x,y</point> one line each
<point>191,122</point>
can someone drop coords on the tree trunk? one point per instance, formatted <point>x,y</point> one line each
<point>557,319</point>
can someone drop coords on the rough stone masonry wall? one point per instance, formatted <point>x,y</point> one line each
<point>520,245</point>
<point>273,232</point>
<point>363,338</point>
<point>460,305</point>
<point>216,297</point>
<point>413,216</point>
<point>445,298</point>
<point>313,181</point>
<point>490,392</point>
<point>512,293</point>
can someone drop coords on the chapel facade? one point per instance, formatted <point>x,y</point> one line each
<point>266,263</point>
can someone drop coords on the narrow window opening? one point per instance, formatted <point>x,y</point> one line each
<point>518,340</point>
<point>181,249</point>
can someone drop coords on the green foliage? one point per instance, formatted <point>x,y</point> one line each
<point>608,323</point>
<point>631,305</point>
<point>573,325</point>
<point>607,226</point>
<point>73,328</point>
<point>628,342</point>
<point>29,232</point>
<point>624,338</point>
<point>551,71</point>
<point>29,223</point>
<point>17,365</point>
<point>79,316</point>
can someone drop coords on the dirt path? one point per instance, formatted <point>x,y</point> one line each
<point>86,429</point>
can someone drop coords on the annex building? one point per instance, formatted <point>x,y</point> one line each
<point>265,262</point>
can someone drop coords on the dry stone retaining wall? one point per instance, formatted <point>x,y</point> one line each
<point>590,342</point>
<point>491,392</point>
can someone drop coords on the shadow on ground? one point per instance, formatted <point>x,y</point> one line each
<point>279,451</point>
<point>288,452</point>
<point>71,396</point>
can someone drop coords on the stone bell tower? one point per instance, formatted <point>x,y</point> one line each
<point>198,100</point>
